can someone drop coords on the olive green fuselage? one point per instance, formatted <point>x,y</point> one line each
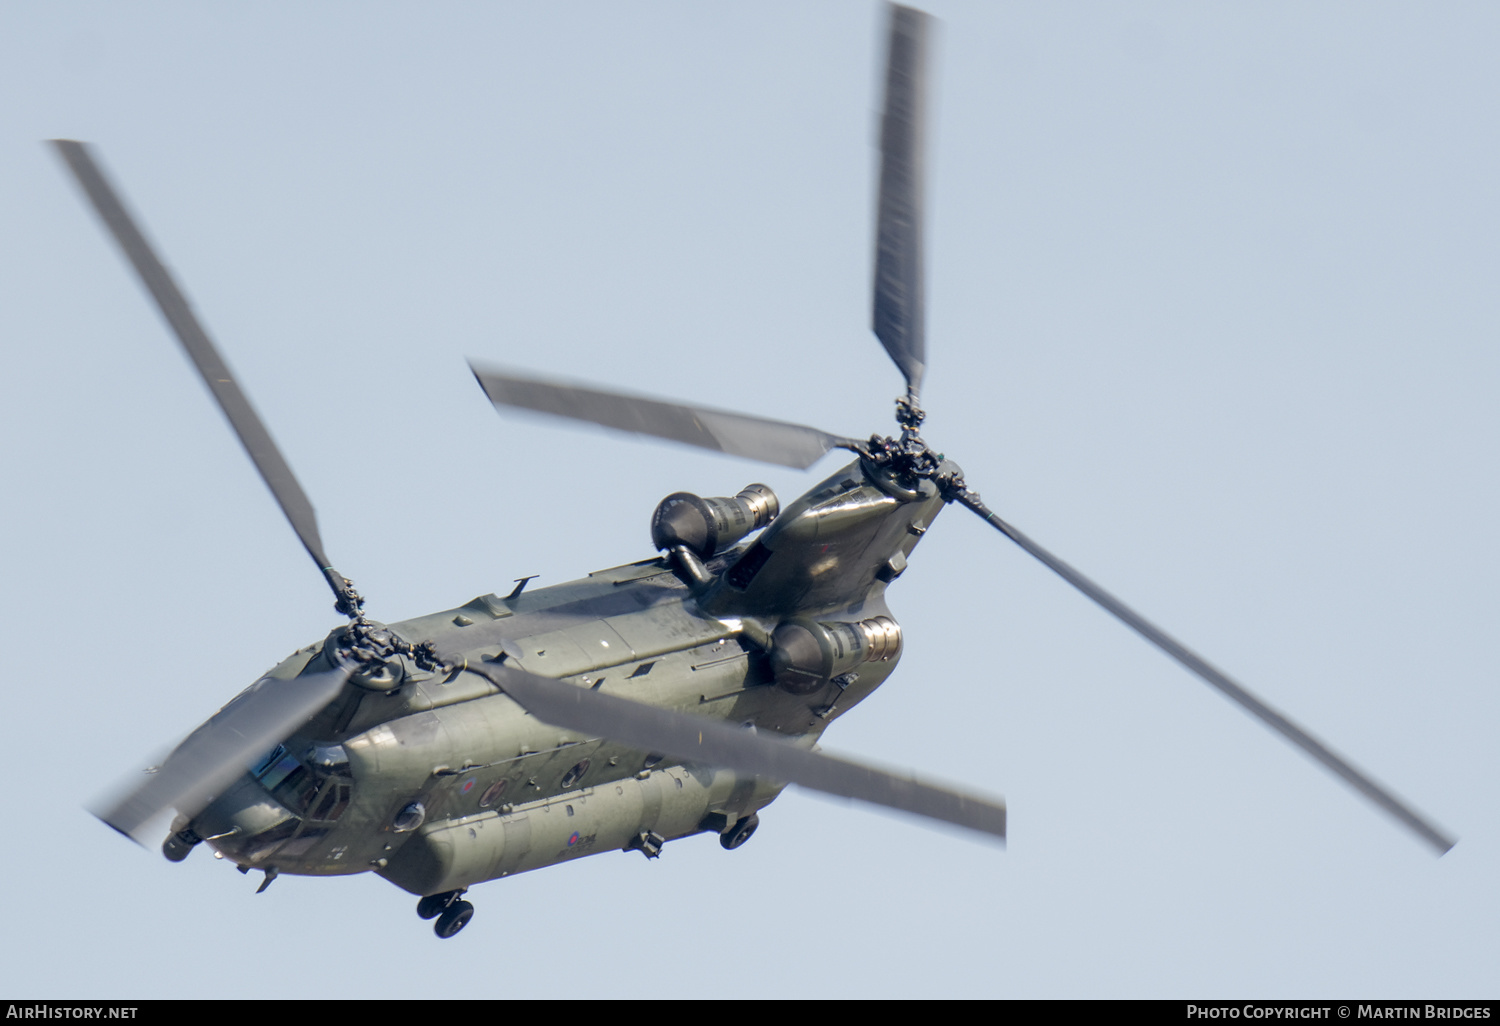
<point>438,780</point>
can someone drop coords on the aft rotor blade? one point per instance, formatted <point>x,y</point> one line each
<point>1220,680</point>
<point>696,739</point>
<point>756,438</point>
<point>215,754</point>
<point>195,342</point>
<point>900,316</point>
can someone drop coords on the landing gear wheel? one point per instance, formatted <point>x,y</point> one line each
<point>739,833</point>
<point>433,905</point>
<point>454,918</point>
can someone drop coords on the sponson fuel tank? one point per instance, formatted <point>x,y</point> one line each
<point>642,811</point>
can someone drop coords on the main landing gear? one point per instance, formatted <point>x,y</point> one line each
<point>739,833</point>
<point>450,911</point>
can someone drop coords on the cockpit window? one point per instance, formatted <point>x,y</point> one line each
<point>279,770</point>
<point>266,761</point>
<point>322,789</point>
<point>333,803</point>
<point>287,779</point>
<point>266,842</point>
<point>330,758</point>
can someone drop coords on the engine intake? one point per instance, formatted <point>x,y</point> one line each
<point>806,655</point>
<point>706,527</point>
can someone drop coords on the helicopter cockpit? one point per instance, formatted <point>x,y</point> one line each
<point>318,789</point>
<point>286,806</point>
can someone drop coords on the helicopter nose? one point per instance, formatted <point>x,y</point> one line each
<point>245,823</point>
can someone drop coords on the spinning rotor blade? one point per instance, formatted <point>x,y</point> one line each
<point>195,341</point>
<point>770,441</point>
<point>1218,679</point>
<point>697,739</point>
<point>899,300</point>
<point>215,755</point>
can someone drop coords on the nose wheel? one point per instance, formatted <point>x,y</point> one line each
<point>451,912</point>
<point>177,845</point>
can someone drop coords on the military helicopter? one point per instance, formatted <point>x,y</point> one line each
<point>633,707</point>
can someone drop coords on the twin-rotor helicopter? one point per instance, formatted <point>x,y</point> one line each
<point>647,702</point>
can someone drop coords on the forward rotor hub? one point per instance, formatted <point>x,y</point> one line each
<point>369,650</point>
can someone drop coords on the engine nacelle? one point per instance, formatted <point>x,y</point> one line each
<point>709,526</point>
<point>806,655</point>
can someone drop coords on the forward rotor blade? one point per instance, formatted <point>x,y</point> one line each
<point>215,754</point>
<point>696,739</point>
<point>755,438</point>
<point>195,342</point>
<point>1218,679</point>
<point>899,286</point>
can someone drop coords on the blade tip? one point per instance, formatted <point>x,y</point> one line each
<point>67,149</point>
<point>119,829</point>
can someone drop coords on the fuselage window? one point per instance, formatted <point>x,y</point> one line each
<point>574,775</point>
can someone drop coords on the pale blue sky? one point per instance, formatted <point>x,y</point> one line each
<point>1213,311</point>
